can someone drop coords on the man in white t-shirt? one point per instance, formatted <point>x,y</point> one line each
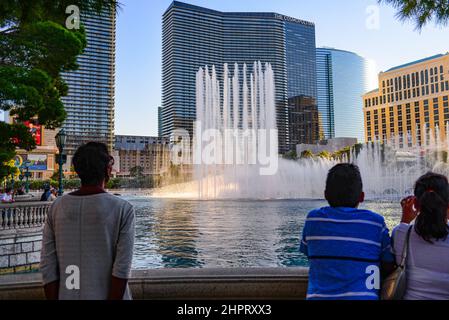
<point>7,196</point>
<point>88,236</point>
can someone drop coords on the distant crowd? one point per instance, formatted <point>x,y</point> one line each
<point>8,195</point>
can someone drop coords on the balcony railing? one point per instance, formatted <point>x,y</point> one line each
<point>21,215</point>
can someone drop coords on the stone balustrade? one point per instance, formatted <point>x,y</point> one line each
<point>22,215</point>
<point>172,284</point>
<point>21,226</point>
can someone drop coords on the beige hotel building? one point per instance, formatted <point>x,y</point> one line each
<point>410,98</point>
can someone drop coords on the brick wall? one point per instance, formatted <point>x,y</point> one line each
<point>20,250</point>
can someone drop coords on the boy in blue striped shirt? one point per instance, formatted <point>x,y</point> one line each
<point>348,248</point>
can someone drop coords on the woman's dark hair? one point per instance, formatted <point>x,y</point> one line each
<point>91,161</point>
<point>432,193</point>
<point>344,186</point>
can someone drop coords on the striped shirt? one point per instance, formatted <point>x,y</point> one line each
<point>343,246</point>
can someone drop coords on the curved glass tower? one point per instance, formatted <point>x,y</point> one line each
<point>342,79</point>
<point>193,37</point>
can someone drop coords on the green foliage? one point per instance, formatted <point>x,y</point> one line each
<point>55,176</point>
<point>421,12</point>
<point>174,170</point>
<point>358,147</point>
<point>344,153</point>
<point>137,180</point>
<point>35,47</point>
<point>113,183</point>
<point>325,155</point>
<point>37,185</point>
<point>444,156</point>
<point>32,58</point>
<point>132,183</point>
<point>347,152</point>
<point>71,184</point>
<point>11,137</point>
<point>136,172</point>
<point>306,154</point>
<point>292,155</point>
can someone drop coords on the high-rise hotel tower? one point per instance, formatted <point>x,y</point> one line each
<point>193,37</point>
<point>412,99</point>
<point>342,78</point>
<point>90,101</point>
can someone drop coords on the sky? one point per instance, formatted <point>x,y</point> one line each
<point>361,26</point>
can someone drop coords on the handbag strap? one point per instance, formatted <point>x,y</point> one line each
<point>406,246</point>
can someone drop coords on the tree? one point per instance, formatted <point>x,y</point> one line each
<point>358,147</point>
<point>421,11</point>
<point>324,154</point>
<point>292,155</point>
<point>35,48</point>
<point>11,137</point>
<point>174,172</point>
<point>342,154</point>
<point>136,172</point>
<point>55,176</point>
<point>444,156</point>
<point>306,154</point>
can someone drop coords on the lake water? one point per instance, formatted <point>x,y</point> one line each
<point>172,233</point>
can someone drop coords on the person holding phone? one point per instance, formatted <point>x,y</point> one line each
<point>428,255</point>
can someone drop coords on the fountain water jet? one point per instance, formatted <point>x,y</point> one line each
<point>232,114</point>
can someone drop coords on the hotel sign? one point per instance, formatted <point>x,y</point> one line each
<point>291,19</point>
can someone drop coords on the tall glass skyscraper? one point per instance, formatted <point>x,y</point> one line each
<point>342,79</point>
<point>90,101</point>
<point>193,37</point>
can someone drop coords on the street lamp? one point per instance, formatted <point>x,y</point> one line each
<point>27,174</point>
<point>12,181</point>
<point>60,143</point>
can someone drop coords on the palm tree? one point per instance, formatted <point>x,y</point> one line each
<point>306,154</point>
<point>421,11</point>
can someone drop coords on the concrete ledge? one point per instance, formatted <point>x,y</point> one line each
<point>209,283</point>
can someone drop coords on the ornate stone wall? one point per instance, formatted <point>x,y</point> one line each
<point>21,235</point>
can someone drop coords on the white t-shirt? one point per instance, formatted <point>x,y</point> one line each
<point>427,265</point>
<point>94,233</point>
<point>6,197</point>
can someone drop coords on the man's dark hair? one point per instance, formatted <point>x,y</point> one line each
<point>344,186</point>
<point>91,161</point>
<point>8,189</point>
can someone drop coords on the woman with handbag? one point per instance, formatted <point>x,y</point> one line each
<point>423,247</point>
